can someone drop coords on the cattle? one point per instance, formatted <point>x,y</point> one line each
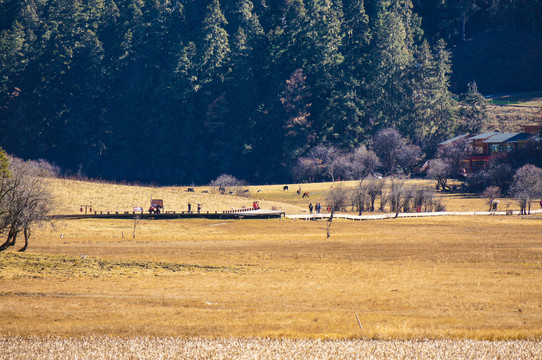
<point>305,194</point>
<point>285,188</point>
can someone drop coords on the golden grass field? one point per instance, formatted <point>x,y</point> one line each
<point>420,278</point>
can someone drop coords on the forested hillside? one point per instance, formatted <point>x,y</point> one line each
<point>180,91</point>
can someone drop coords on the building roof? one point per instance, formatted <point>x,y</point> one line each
<point>522,137</point>
<point>449,141</point>
<point>500,138</point>
<point>484,135</point>
<point>492,137</point>
<point>508,137</point>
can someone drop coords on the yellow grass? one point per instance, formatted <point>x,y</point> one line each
<point>110,197</point>
<point>452,277</point>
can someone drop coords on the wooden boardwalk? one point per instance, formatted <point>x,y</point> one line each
<point>273,214</point>
<point>171,215</point>
<point>406,215</point>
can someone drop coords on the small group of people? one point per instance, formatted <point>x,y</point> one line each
<point>317,207</point>
<point>256,205</point>
<point>190,207</point>
<point>155,209</point>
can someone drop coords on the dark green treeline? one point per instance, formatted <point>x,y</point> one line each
<point>171,91</point>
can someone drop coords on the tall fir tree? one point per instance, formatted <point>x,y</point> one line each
<point>344,119</point>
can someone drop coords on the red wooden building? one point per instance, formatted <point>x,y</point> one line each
<point>484,147</point>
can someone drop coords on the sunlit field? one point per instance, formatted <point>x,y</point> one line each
<point>404,279</point>
<point>113,197</point>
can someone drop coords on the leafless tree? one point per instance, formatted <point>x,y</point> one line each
<point>317,164</point>
<point>526,186</point>
<point>306,169</point>
<point>384,199</point>
<point>441,171</point>
<point>424,199</point>
<point>323,162</point>
<point>25,203</point>
<point>337,198</point>
<point>375,189</point>
<point>395,153</point>
<point>408,157</point>
<point>387,144</point>
<point>359,197</point>
<point>407,198</point>
<point>338,167</point>
<point>396,193</point>
<point>137,220</point>
<point>329,221</point>
<point>454,152</point>
<point>362,163</point>
<point>227,184</point>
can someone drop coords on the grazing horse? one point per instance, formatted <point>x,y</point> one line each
<point>305,194</point>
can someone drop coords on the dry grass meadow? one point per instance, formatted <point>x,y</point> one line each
<point>432,281</point>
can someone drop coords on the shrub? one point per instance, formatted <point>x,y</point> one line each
<point>226,184</point>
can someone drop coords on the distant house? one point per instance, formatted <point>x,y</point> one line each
<point>484,147</point>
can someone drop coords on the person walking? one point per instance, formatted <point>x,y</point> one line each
<point>310,208</point>
<point>189,208</point>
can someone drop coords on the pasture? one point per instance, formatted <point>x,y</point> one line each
<point>433,278</point>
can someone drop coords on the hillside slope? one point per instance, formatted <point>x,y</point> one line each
<point>71,194</point>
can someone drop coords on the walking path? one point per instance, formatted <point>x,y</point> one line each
<point>405,215</point>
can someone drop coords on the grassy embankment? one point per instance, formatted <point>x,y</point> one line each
<point>520,109</point>
<point>452,277</point>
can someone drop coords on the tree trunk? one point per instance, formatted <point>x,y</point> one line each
<point>26,237</point>
<point>12,237</point>
<point>463,27</point>
<point>329,223</point>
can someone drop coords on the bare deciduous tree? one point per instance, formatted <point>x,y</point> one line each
<point>375,189</point>
<point>395,153</point>
<point>25,203</point>
<point>227,183</point>
<point>441,171</point>
<point>407,199</point>
<point>359,197</point>
<point>408,157</point>
<point>526,186</point>
<point>337,198</point>
<point>317,164</point>
<point>363,163</point>
<point>396,192</point>
<point>387,144</point>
